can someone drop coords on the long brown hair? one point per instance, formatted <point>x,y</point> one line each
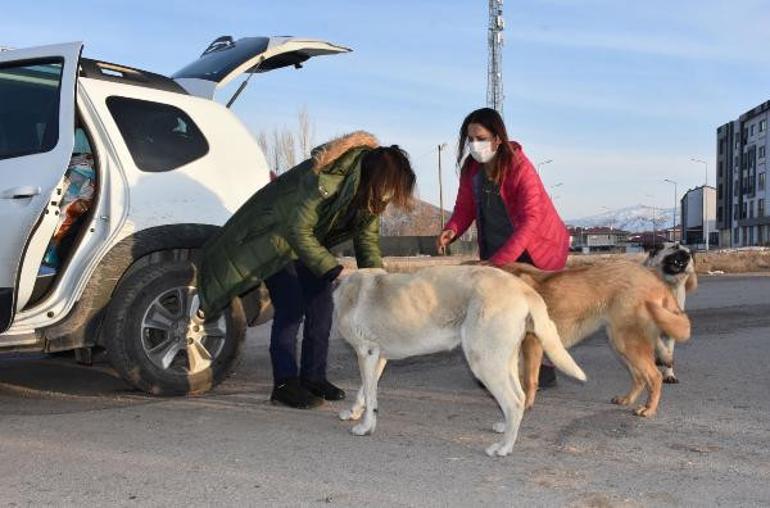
<point>386,177</point>
<point>493,122</point>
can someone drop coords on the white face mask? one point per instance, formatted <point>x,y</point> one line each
<point>481,151</point>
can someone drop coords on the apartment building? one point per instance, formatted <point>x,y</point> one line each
<point>742,149</point>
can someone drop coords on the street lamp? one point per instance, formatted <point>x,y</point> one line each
<point>543,163</point>
<point>673,225</point>
<point>441,146</point>
<point>554,186</point>
<point>705,204</point>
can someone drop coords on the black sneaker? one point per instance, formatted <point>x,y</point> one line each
<point>547,377</point>
<point>324,389</point>
<point>291,393</point>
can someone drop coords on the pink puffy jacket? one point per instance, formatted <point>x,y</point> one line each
<point>537,227</point>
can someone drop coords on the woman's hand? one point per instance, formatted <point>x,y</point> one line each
<point>442,240</point>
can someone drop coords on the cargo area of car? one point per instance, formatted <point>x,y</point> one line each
<point>77,194</point>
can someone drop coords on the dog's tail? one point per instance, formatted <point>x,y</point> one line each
<point>546,333</point>
<point>670,318</point>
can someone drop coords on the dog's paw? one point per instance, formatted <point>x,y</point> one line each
<point>361,429</point>
<point>621,401</point>
<point>350,414</point>
<point>499,449</point>
<point>644,412</point>
<point>499,427</point>
<point>670,379</point>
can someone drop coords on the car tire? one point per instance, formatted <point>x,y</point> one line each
<point>153,343</point>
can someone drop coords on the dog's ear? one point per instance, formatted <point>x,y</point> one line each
<point>691,283</point>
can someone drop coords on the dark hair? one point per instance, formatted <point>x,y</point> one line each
<point>386,177</point>
<point>493,122</point>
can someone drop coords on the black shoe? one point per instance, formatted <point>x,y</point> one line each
<point>547,377</point>
<point>291,393</point>
<point>324,389</point>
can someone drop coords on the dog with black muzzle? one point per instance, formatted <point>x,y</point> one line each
<point>675,265</point>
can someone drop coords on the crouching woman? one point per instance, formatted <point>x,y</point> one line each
<point>282,236</point>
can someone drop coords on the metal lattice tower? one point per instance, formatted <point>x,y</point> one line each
<point>495,65</point>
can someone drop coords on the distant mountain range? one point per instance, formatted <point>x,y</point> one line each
<point>633,218</point>
<point>424,220</point>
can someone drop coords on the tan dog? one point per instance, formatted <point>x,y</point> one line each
<point>389,316</point>
<point>633,305</point>
<point>675,264</point>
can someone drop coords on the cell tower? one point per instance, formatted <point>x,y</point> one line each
<point>495,65</point>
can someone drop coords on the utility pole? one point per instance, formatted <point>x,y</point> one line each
<point>495,63</point>
<point>440,186</point>
<point>673,225</point>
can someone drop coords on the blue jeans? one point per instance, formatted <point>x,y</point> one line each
<point>296,293</point>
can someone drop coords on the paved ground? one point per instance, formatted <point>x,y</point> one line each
<point>77,436</point>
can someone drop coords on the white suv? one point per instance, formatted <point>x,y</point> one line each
<point>111,178</point>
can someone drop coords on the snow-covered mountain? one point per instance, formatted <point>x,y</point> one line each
<point>633,218</point>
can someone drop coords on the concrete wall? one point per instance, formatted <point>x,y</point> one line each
<point>412,246</point>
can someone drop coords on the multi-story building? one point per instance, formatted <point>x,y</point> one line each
<point>742,146</point>
<point>694,209</point>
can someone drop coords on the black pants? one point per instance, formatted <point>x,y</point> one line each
<point>296,293</point>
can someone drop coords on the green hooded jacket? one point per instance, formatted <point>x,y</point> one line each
<point>300,215</point>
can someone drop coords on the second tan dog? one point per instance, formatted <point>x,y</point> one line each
<point>633,305</point>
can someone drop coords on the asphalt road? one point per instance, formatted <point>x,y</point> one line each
<point>74,435</point>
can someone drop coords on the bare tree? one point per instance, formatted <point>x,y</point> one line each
<point>263,144</point>
<point>286,146</point>
<point>281,146</point>
<point>275,151</point>
<point>305,132</point>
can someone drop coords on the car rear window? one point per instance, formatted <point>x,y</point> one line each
<point>160,137</point>
<point>29,106</point>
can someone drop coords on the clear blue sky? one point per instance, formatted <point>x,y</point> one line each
<point>619,93</point>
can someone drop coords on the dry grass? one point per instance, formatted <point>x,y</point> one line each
<point>727,261</point>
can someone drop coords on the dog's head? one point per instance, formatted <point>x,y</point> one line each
<point>674,262</point>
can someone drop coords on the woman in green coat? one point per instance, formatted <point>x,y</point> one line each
<point>282,236</point>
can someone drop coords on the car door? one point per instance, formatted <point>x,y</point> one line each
<point>37,119</point>
<point>225,59</point>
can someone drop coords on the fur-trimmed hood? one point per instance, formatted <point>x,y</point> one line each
<point>327,153</point>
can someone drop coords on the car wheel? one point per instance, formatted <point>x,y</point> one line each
<point>152,341</point>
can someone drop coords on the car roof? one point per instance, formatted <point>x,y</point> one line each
<point>106,71</point>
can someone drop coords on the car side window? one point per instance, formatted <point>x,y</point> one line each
<point>160,137</point>
<point>29,107</point>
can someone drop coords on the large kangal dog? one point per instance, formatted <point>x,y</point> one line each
<point>627,299</point>
<point>675,264</point>
<point>389,316</point>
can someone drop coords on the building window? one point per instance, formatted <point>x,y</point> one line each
<point>761,152</point>
<point>745,210</point>
<point>761,182</point>
<point>751,210</point>
<point>762,125</point>
<point>751,130</point>
<point>760,208</point>
<point>736,236</point>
